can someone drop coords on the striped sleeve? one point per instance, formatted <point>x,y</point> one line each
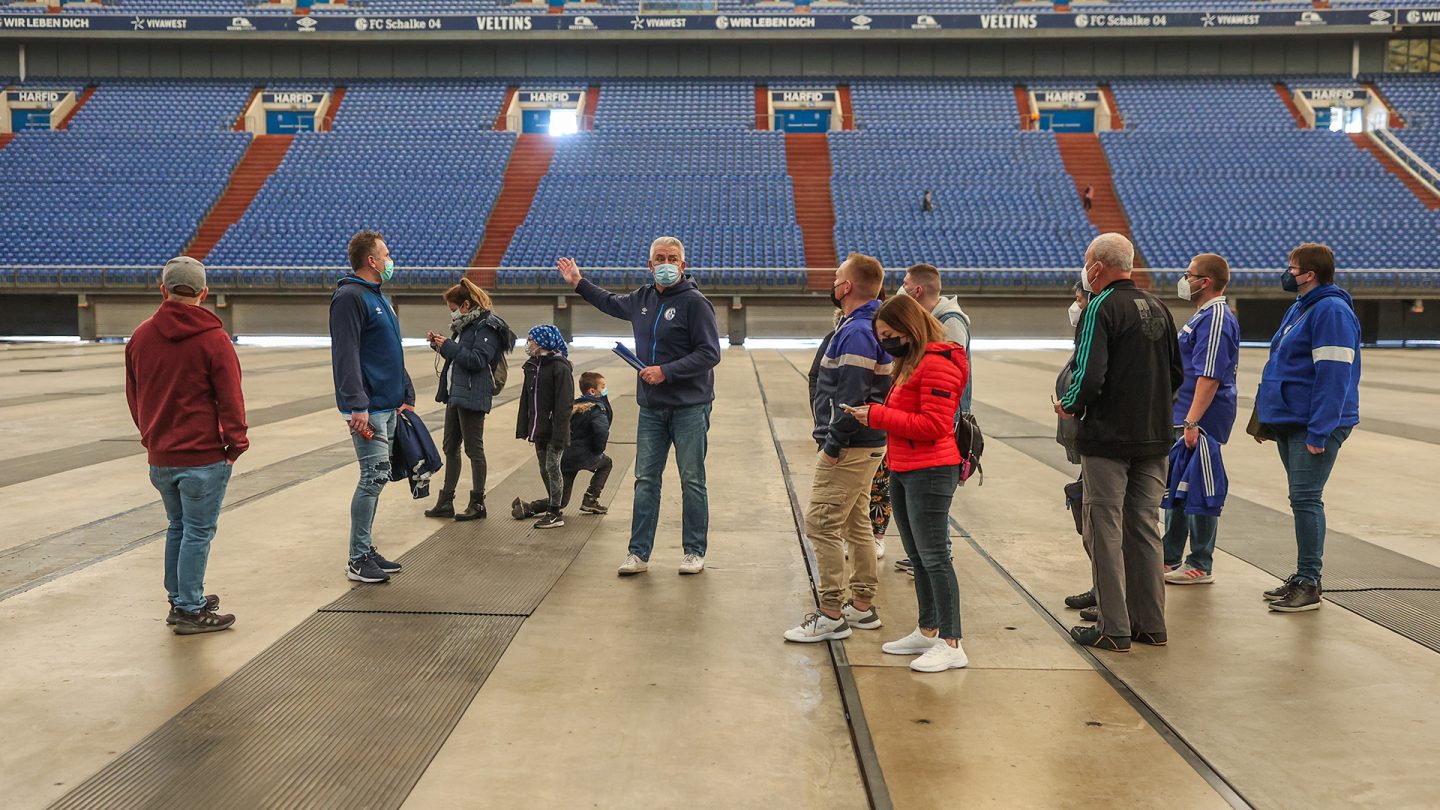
<point>1091,356</point>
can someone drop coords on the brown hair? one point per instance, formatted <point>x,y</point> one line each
<point>468,290</point>
<point>1213,267</point>
<point>1312,257</point>
<point>361,246</point>
<point>927,276</point>
<point>905,315</point>
<point>866,273</point>
<point>590,379</point>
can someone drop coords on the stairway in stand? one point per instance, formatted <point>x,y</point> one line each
<point>1423,194</point>
<point>807,159</point>
<point>1085,160</point>
<point>260,161</point>
<point>6,137</point>
<point>529,162</point>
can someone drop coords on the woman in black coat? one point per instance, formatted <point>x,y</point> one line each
<point>478,341</point>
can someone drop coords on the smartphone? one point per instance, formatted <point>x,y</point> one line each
<point>848,408</point>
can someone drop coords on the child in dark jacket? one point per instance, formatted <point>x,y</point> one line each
<point>545,420</point>
<point>590,419</point>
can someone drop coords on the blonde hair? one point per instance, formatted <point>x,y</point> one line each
<point>905,315</point>
<point>468,290</point>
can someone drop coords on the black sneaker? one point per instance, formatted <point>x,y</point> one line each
<point>591,506</point>
<point>212,602</point>
<point>1302,597</point>
<point>1090,614</point>
<point>1153,639</point>
<point>205,621</point>
<point>519,509</point>
<point>385,565</point>
<point>1282,591</point>
<point>365,569</point>
<point>552,520</point>
<point>1092,637</point>
<point>1080,601</point>
<point>905,566</point>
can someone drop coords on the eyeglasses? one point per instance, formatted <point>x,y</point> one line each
<point>1192,275</point>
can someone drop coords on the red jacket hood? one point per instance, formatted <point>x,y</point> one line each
<point>176,321</point>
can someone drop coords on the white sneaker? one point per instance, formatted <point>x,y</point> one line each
<point>818,627</point>
<point>863,620</point>
<point>1188,575</point>
<point>940,658</point>
<point>913,644</point>
<point>633,565</point>
<point>692,564</point>
<point>879,548</point>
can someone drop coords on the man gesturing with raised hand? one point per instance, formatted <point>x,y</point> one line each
<point>678,340</point>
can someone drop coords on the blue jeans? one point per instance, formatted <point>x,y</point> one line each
<point>921,502</point>
<point>688,429</point>
<point>1307,475</point>
<point>374,455</point>
<point>192,497</point>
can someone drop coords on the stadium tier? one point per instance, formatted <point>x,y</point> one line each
<point>1213,164</point>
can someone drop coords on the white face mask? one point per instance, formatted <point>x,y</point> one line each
<point>1185,288</point>
<point>1085,279</point>
<point>1075,311</point>
<point>455,314</point>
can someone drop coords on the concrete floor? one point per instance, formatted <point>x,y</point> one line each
<point>661,690</point>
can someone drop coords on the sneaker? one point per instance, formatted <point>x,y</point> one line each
<point>1280,592</point>
<point>365,569</point>
<point>1092,637</point>
<point>519,510</point>
<point>905,566</point>
<point>633,565</point>
<point>692,564</point>
<point>552,520</point>
<point>818,627</point>
<point>385,565</point>
<point>1080,601</point>
<point>1090,614</point>
<point>204,621</point>
<point>913,644</point>
<point>1153,639</point>
<point>1302,597</point>
<point>212,602</point>
<point>591,506</point>
<point>1188,574</point>
<point>940,658</point>
<point>879,548</point>
<point>1166,568</point>
<point>863,620</point>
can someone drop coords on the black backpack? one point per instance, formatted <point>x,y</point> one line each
<point>970,441</point>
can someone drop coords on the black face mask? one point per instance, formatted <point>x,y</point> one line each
<point>895,347</point>
<point>833,299</point>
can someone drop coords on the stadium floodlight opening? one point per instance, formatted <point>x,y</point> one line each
<point>564,122</point>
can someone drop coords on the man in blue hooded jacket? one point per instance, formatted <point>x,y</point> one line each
<point>1309,399</point>
<point>678,340</point>
<point>371,388</point>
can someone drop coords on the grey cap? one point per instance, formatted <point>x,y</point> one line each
<point>183,271</point>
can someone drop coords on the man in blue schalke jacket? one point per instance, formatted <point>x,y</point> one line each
<point>1309,399</point>
<point>371,388</point>
<point>677,338</point>
<point>1209,353</point>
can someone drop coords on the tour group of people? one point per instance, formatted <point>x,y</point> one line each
<point>1144,407</point>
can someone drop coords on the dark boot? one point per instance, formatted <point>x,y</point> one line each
<point>445,507</point>
<point>476,510</point>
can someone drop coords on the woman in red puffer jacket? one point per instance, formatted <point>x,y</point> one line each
<point>918,418</point>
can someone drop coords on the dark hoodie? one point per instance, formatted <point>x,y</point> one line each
<point>589,433</point>
<point>544,417</point>
<point>675,330</point>
<point>182,381</point>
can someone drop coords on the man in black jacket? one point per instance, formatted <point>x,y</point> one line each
<point>1127,370</point>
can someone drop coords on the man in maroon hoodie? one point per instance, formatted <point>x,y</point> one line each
<point>182,380</point>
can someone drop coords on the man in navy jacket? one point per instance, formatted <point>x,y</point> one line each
<point>678,339</point>
<point>371,387</point>
<point>1310,399</point>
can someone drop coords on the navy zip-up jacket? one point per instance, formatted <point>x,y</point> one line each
<point>675,330</point>
<point>854,371</point>
<point>365,352</point>
<point>1312,379</point>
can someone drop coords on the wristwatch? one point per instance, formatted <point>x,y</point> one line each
<point>1188,425</point>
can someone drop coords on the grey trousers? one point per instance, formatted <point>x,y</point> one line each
<point>1122,536</point>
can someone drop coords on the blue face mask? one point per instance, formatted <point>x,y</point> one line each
<point>388,272</point>
<point>666,274</point>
